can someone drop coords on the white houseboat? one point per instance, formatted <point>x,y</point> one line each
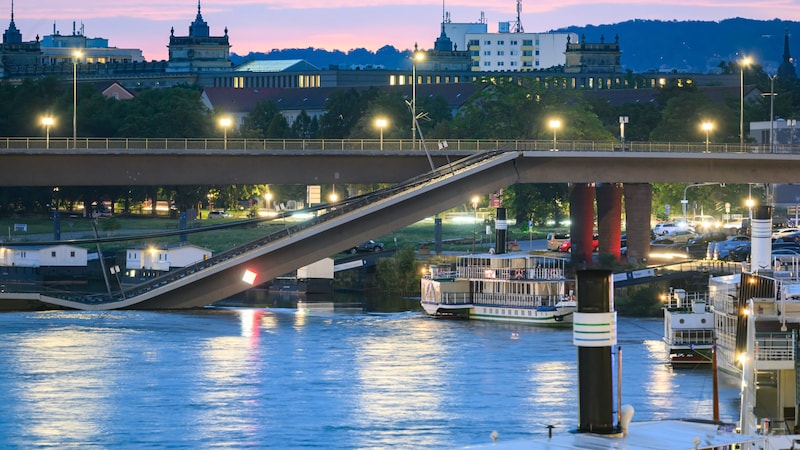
<point>513,287</point>
<point>688,328</point>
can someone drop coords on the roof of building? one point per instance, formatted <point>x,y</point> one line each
<point>278,65</point>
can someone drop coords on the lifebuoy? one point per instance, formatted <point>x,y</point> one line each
<point>518,274</point>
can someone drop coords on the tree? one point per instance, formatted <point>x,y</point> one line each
<point>258,122</point>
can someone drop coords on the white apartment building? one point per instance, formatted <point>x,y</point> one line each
<point>497,52</point>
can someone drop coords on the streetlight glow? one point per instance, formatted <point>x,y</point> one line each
<point>742,64</point>
<point>47,121</point>
<point>381,123</point>
<point>707,127</point>
<point>76,55</point>
<point>475,201</point>
<point>555,124</point>
<point>225,122</point>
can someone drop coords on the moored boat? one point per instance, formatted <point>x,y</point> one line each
<point>757,320</point>
<point>512,287</point>
<point>688,328</point>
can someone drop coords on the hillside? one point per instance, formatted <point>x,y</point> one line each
<point>685,46</point>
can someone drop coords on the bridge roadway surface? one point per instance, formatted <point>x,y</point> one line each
<point>353,220</point>
<point>107,162</point>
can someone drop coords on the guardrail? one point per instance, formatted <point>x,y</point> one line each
<point>470,145</point>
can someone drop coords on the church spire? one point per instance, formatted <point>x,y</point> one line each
<point>786,71</point>
<point>199,28</point>
<point>12,34</point>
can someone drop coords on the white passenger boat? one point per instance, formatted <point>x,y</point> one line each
<point>511,287</point>
<point>757,320</point>
<point>688,328</point>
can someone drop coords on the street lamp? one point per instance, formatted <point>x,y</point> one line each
<point>622,121</point>
<point>555,124</point>
<point>750,203</point>
<point>744,62</point>
<point>225,122</point>
<point>268,199</point>
<point>76,55</point>
<point>381,123</point>
<point>417,56</point>
<point>772,95</point>
<point>47,122</point>
<point>707,126</point>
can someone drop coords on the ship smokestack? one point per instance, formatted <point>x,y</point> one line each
<point>761,239</point>
<point>595,333</point>
<point>500,227</point>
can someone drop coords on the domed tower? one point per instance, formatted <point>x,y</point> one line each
<point>199,51</point>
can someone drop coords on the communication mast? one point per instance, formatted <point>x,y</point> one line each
<point>518,24</point>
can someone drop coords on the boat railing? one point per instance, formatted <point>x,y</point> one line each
<point>535,273</point>
<point>516,300</point>
<point>775,346</point>
<point>689,337</point>
<point>455,298</point>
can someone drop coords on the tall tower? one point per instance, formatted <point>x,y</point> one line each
<point>786,72</point>
<point>199,51</point>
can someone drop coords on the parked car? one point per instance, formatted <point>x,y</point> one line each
<point>555,239</point>
<point>218,214</point>
<point>675,237</point>
<point>566,246</point>
<point>783,232</point>
<point>719,250</point>
<point>739,253</point>
<point>368,246</point>
<point>705,223</point>
<point>697,247</point>
<point>663,228</point>
<point>786,236</point>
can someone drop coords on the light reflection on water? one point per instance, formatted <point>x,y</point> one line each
<point>276,378</point>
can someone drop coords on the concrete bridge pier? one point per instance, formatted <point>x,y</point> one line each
<point>638,205</point>
<point>581,213</point>
<point>609,217</point>
<point>638,209</point>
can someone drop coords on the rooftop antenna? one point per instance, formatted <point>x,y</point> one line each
<point>483,18</point>
<point>518,25</point>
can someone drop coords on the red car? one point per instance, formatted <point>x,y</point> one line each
<point>566,246</point>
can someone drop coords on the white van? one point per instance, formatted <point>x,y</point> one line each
<point>555,239</point>
<point>705,223</point>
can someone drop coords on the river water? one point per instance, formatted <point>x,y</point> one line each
<point>340,379</point>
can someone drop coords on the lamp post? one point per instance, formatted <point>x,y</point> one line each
<point>47,122</point>
<point>381,124</point>
<point>555,124</point>
<point>685,202</point>
<point>225,122</point>
<point>417,56</point>
<point>75,57</point>
<point>622,121</point>
<point>750,203</point>
<point>772,95</point>
<point>268,199</point>
<point>744,62</point>
<point>475,201</point>
<point>707,127</point>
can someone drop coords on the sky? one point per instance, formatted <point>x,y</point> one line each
<point>263,25</point>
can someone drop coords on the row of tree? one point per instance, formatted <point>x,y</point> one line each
<point>499,110</point>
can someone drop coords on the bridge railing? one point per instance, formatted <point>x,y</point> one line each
<point>466,145</point>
